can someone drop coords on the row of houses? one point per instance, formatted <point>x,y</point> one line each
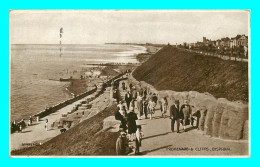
<point>238,41</point>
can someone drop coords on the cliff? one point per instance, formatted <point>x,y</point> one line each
<point>178,70</point>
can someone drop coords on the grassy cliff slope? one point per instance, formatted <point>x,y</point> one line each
<point>179,70</point>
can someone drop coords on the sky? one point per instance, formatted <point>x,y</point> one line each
<point>125,26</point>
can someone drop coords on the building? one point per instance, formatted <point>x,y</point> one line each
<point>242,41</point>
<point>225,42</point>
<point>233,41</point>
<point>218,42</point>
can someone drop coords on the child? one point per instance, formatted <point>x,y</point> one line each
<point>139,136</point>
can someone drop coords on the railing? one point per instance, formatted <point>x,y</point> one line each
<point>224,57</point>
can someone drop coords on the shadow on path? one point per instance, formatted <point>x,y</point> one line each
<point>155,135</point>
<point>26,131</point>
<point>190,128</point>
<point>146,152</point>
<point>33,124</point>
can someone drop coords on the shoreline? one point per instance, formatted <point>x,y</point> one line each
<point>77,86</point>
<point>99,98</point>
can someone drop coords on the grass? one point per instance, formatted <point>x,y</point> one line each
<point>178,70</point>
<point>86,138</point>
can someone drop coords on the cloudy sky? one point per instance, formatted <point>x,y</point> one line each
<point>102,26</point>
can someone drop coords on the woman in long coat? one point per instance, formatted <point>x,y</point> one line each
<point>131,124</point>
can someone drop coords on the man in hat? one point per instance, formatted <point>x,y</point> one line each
<point>134,96</point>
<point>185,114</point>
<point>175,115</point>
<point>128,99</point>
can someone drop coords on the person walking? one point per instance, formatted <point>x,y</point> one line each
<point>124,112</point>
<point>175,115</point>
<point>138,140</point>
<point>123,86</point>
<point>120,117</point>
<point>141,92</point>
<point>197,115</point>
<point>115,93</point>
<point>145,108</point>
<point>134,96</point>
<point>131,123</point>
<point>30,121</point>
<point>46,124</point>
<point>130,86</point>
<point>150,107</point>
<point>120,107</point>
<point>14,127</point>
<point>139,101</point>
<point>163,106</point>
<point>155,99</point>
<point>128,99</point>
<point>185,114</point>
<point>145,93</point>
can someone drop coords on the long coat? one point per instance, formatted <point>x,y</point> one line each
<point>128,98</point>
<point>131,124</point>
<point>175,112</point>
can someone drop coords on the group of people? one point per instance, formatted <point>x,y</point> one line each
<point>141,104</point>
<point>19,126</point>
<point>182,115</point>
<point>141,100</point>
<point>130,127</point>
<point>22,124</point>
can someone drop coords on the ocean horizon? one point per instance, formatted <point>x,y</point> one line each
<point>35,67</point>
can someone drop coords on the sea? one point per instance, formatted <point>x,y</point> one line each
<point>36,69</point>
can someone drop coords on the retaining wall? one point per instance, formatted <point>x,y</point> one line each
<point>219,117</point>
<point>55,108</point>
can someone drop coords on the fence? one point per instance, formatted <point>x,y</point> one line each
<point>204,53</point>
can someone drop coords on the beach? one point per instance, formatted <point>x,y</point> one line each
<point>78,84</point>
<point>36,71</point>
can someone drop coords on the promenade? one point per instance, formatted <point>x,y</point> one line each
<point>158,139</point>
<point>37,133</point>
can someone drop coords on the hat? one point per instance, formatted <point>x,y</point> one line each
<point>123,133</point>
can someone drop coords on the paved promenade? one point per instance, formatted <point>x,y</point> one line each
<point>159,140</point>
<point>36,133</point>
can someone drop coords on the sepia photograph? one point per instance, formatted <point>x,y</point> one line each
<point>130,83</point>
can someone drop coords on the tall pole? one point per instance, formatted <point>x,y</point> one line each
<point>61,31</point>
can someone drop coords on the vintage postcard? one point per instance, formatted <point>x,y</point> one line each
<point>130,83</point>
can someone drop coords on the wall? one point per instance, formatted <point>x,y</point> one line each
<point>219,117</point>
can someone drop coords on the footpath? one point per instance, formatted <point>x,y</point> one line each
<point>37,134</point>
<point>159,140</point>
